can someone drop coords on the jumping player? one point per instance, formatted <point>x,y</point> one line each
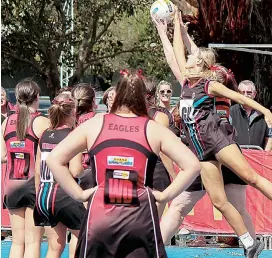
<point>212,146</point>
<point>183,204</point>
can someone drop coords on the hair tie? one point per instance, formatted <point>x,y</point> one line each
<point>230,73</point>
<point>124,72</point>
<point>140,73</point>
<point>214,68</point>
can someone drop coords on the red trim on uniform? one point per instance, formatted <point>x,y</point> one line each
<point>198,133</point>
<point>53,198</point>
<point>101,129</point>
<point>195,84</point>
<point>145,128</point>
<point>156,113</point>
<point>41,137</point>
<point>32,122</point>
<point>206,89</point>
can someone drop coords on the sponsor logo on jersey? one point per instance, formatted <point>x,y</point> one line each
<point>222,113</point>
<point>120,161</point>
<point>19,155</point>
<point>51,135</point>
<point>121,174</point>
<point>48,146</point>
<point>17,144</point>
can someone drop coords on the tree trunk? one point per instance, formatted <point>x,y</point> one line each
<point>53,82</point>
<point>75,78</point>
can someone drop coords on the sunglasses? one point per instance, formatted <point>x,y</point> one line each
<point>165,91</point>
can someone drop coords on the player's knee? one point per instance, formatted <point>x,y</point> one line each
<point>252,179</point>
<point>220,203</point>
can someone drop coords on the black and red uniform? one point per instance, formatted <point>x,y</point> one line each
<point>11,109</point>
<point>84,117</point>
<point>161,179</point>
<point>122,218</point>
<point>201,123</point>
<point>19,186</point>
<point>86,180</point>
<point>222,109</point>
<point>53,205</point>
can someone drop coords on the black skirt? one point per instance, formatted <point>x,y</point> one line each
<point>53,205</point>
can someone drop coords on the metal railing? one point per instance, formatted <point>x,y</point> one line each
<point>181,239</point>
<point>251,147</point>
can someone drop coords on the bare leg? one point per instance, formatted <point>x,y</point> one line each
<point>73,243</point>
<point>241,168</point>
<point>237,197</point>
<point>33,236</point>
<point>17,222</point>
<point>212,179</point>
<point>179,208</point>
<point>56,240</point>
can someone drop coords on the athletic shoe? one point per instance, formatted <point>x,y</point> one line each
<point>255,249</point>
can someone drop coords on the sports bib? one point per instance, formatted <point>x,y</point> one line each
<point>121,187</point>
<point>20,165</point>
<point>187,109</point>
<point>46,175</point>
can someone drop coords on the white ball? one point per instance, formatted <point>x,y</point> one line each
<point>164,9</point>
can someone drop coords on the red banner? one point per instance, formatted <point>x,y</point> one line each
<point>4,213</point>
<point>204,217</point>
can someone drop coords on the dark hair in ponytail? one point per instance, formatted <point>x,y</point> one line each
<point>84,95</point>
<point>26,93</point>
<point>62,107</point>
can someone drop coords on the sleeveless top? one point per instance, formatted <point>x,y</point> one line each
<point>81,119</point>
<point>122,159</point>
<point>21,155</point>
<point>48,141</point>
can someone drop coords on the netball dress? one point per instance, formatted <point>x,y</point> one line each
<point>122,218</point>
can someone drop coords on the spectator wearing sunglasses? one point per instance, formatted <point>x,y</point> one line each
<point>164,94</point>
<point>163,98</point>
<point>250,124</point>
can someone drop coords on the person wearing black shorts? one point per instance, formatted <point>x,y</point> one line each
<point>20,135</point>
<point>202,127</point>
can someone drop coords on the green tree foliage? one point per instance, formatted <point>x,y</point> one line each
<point>35,33</point>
